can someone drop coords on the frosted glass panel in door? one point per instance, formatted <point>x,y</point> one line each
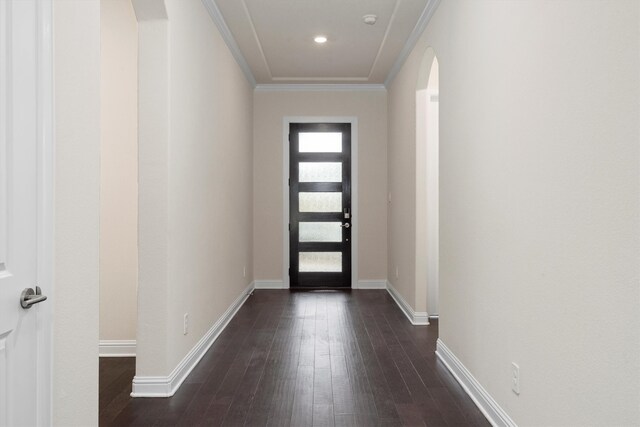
<point>322,262</point>
<point>320,202</point>
<point>320,172</point>
<point>320,232</point>
<point>320,142</point>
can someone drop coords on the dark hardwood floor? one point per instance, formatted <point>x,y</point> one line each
<point>302,359</point>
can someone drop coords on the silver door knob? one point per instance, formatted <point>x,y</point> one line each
<point>345,225</point>
<point>30,297</point>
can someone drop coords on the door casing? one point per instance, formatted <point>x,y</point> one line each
<point>46,207</point>
<point>354,189</point>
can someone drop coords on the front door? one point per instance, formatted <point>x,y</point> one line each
<point>24,360</point>
<point>320,205</point>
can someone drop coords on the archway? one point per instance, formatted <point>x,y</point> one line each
<point>427,183</point>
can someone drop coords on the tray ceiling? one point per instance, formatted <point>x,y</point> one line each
<point>275,38</point>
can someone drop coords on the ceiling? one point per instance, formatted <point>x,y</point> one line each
<point>273,39</point>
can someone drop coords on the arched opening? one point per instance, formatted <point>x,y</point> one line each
<point>427,183</point>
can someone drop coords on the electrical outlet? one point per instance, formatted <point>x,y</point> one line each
<point>397,272</point>
<point>515,378</point>
<point>185,327</point>
<point>244,271</point>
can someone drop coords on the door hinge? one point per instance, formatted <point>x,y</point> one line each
<point>289,271</point>
<point>289,182</point>
<point>289,227</point>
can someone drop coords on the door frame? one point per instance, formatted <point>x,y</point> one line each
<point>287,120</point>
<point>46,197</point>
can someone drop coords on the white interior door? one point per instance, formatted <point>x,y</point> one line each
<point>24,350</point>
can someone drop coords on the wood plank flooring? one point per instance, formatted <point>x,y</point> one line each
<point>305,359</point>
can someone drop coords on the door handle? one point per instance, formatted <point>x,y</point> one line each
<point>345,225</point>
<point>30,297</point>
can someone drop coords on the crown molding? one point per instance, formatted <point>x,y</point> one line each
<point>319,87</point>
<point>216,17</point>
<point>419,28</point>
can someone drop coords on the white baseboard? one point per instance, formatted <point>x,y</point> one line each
<point>117,348</point>
<point>269,284</point>
<point>415,317</point>
<point>167,386</point>
<point>483,400</point>
<point>362,284</point>
<point>371,284</point>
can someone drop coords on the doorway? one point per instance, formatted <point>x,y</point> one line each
<point>118,179</point>
<point>427,183</point>
<point>320,227</point>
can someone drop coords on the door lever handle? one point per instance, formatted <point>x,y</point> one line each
<point>345,225</point>
<point>30,297</point>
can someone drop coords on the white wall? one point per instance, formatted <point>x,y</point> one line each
<point>210,175</point>
<point>539,201</point>
<point>196,178</point>
<point>371,110</point>
<point>119,171</point>
<point>77,139</point>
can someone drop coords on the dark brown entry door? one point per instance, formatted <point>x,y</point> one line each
<point>320,205</point>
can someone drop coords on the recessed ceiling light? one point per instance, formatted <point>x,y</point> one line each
<point>369,19</point>
<point>320,39</point>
